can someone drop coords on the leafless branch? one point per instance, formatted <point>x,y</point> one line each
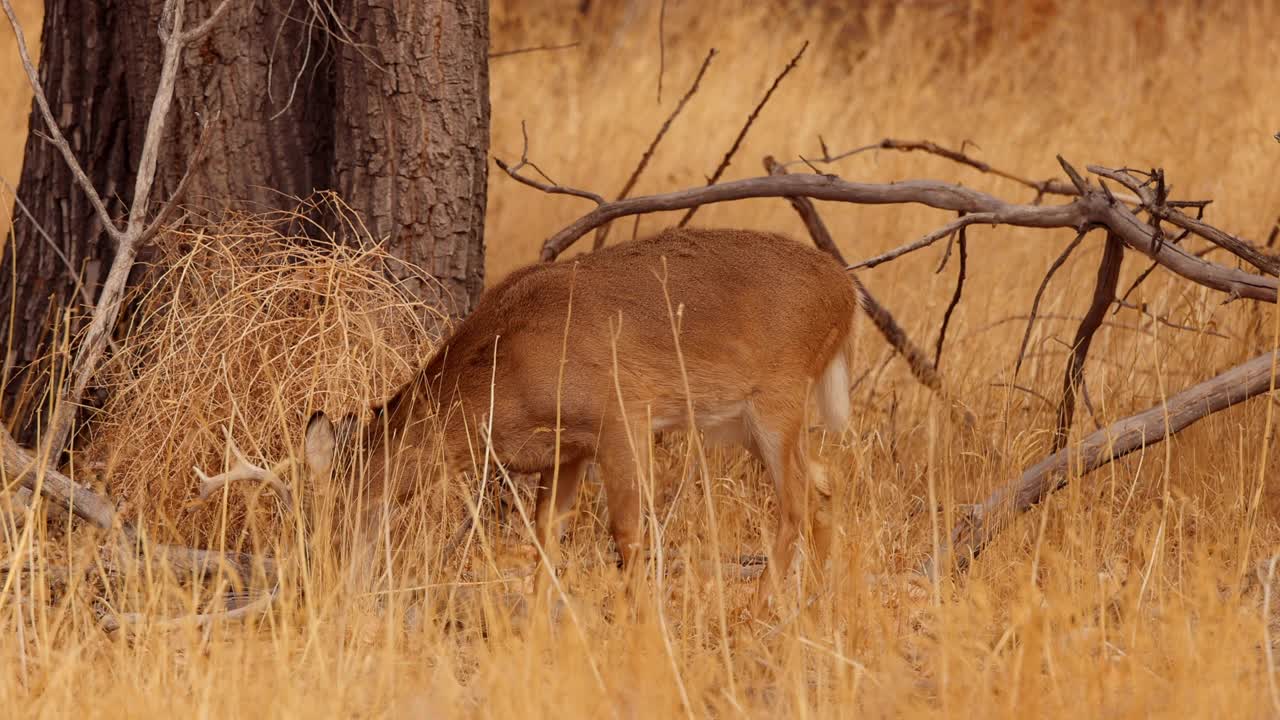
<point>533,49</point>
<point>1035,303</point>
<point>62,491</point>
<point>113,623</point>
<point>55,133</point>
<point>602,233</point>
<point>1104,293</point>
<point>1162,209</point>
<point>963,243</point>
<point>737,142</point>
<point>550,186</point>
<point>1142,310</point>
<point>662,46</point>
<point>1091,208</point>
<point>1152,426</point>
<point>945,231</point>
<point>808,215</point>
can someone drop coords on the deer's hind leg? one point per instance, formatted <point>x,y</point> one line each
<point>556,496</point>
<point>777,430</point>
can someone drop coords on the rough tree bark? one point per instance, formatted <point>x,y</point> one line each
<point>412,99</point>
<point>385,101</point>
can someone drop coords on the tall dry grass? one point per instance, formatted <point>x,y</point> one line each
<point>1131,593</point>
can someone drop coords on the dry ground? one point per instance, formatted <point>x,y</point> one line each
<point>1132,593</point>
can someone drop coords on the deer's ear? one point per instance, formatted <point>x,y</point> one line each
<point>319,445</point>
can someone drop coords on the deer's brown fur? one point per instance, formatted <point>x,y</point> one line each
<point>763,324</point>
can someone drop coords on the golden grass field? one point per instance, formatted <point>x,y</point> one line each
<point>1134,592</point>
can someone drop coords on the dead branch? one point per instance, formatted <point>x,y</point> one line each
<point>808,215</point>
<point>63,492</point>
<point>551,187</point>
<point>947,230</point>
<point>1091,208</point>
<point>1042,187</point>
<point>1150,427</point>
<point>963,242</point>
<point>113,623</point>
<point>737,142</point>
<point>1035,302</point>
<point>1162,209</point>
<point>533,49</point>
<point>602,233</point>
<point>1104,293</point>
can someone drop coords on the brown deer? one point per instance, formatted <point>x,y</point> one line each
<point>734,327</point>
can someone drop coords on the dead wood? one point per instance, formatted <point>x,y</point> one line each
<point>1094,208</point>
<point>737,141</point>
<point>1150,427</point>
<point>1104,293</point>
<point>963,243</point>
<point>602,233</point>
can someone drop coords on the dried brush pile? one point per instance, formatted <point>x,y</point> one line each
<point>251,325</point>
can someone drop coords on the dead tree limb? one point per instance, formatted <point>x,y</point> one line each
<point>963,242</point>
<point>737,142</point>
<point>1057,263</point>
<point>551,187</point>
<point>602,233</point>
<point>1092,208</point>
<point>922,370</point>
<point>1162,209</point>
<point>1150,427</point>
<point>1104,293</point>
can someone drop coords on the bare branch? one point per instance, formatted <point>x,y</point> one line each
<point>602,233</point>
<point>113,623</point>
<point>1162,209</point>
<point>808,215</point>
<point>533,49</point>
<point>945,231</point>
<point>550,186</point>
<point>921,369</point>
<point>1035,303</point>
<point>1104,293</point>
<point>17,463</point>
<point>963,242</point>
<point>1089,209</point>
<point>88,356</point>
<point>205,27</point>
<point>737,142</point>
<point>1152,426</point>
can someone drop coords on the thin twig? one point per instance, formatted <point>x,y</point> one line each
<point>963,244</point>
<point>945,231</point>
<point>737,142</point>
<point>550,187</point>
<point>533,49</point>
<point>662,46</point>
<point>602,233</point>
<point>1035,303</point>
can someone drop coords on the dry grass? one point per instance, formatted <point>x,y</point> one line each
<point>1132,593</point>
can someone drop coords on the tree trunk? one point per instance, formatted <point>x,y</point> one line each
<point>83,77</point>
<point>390,108</point>
<point>413,136</point>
